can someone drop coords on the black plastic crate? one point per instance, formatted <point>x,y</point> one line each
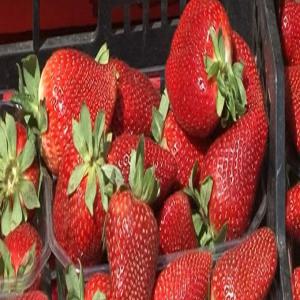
<point>146,46</point>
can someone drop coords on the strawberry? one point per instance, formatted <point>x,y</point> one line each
<point>296,284</point>
<point>293,103</point>
<point>185,150</point>
<point>162,160</point>
<point>199,68</point>
<point>33,295</point>
<point>132,234</point>
<point>293,212</point>
<point>176,229</point>
<point>186,278</point>
<point>69,78</point>
<point>97,282</point>
<point>247,270</point>
<point>19,174</point>
<point>80,197</point>
<point>290,32</point>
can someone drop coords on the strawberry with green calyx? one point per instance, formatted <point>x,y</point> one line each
<point>84,185</point>
<point>207,234</point>
<point>19,174</point>
<point>132,233</point>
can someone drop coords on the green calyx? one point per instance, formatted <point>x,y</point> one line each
<point>102,56</point>
<point>28,94</point>
<point>93,147</point>
<point>143,183</point>
<point>159,117</point>
<point>231,96</point>
<point>17,194</point>
<point>206,234</point>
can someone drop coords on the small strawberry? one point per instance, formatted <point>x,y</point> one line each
<point>98,282</point>
<point>246,271</point>
<point>204,86</point>
<point>80,201</point>
<point>165,167</point>
<point>132,233</point>
<point>186,278</point>
<point>176,229</point>
<point>290,32</point>
<point>296,284</point>
<point>293,212</point>
<point>53,99</point>
<point>19,174</point>
<point>33,295</point>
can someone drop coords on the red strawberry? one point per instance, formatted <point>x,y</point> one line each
<point>98,282</point>
<point>201,53</point>
<point>176,229</point>
<point>19,174</point>
<point>132,234</point>
<point>33,295</point>
<point>246,271</point>
<point>292,101</point>
<point>290,32</point>
<point>187,278</point>
<point>293,212</point>
<point>162,160</point>
<point>79,203</point>
<point>69,79</point>
<point>296,284</point>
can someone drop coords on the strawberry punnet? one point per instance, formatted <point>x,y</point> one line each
<point>53,99</point>
<point>19,174</point>
<point>132,233</point>
<point>246,272</point>
<point>203,84</point>
<point>82,190</point>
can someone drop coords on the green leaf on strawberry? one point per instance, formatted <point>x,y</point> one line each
<point>99,296</point>
<point>74,283</point>
<point>102,56</point>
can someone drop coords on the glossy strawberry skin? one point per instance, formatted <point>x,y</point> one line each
<point>293,212</point>
<point>296,284</point>
<point>185,150</point>
<point>192,95</point>
<point>234,162</point>
<point>97,282</point>
<point>132,247</point>
<point>292,77</point>
<point>290,32</point>
<point>162,160</point>
<point>70,78</point>
<point>77,231</point>
<point>176,228</point>
<point>246,271</point>
<point>186,278</point>
<point>33,295</point>
<point>136,99</point>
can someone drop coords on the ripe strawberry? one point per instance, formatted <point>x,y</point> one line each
<point>200,66</point>
<point>132,234</point>
<point>19,174</point>
<point>69,79</point>
<point>296,284</point>
<point>176,229</point>
<point>246,271</point>
<point>98,282</point>
<point>187,278</point>
<point>290,32</point>
<point>33,295</point>
<point>80,197</point>
<point>293,103</point>
<point>293,212</point>
<point>162,160</point>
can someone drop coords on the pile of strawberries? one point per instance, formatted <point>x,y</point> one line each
<point>137,175</point>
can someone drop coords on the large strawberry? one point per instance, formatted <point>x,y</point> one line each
<point>80,197</point>
<point>246,271</point>
<point>202,83</point>
<point>132,233</point>
<point>19,174</point>
<point>187,278</point>
<point>165,167</point>
<point>296,284</point>
<point>293,212</point>
<point>69,78</point>
<point>33,295</point>
<point>290,32</point>
<point>176,228</point>
<point>292,100</point>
